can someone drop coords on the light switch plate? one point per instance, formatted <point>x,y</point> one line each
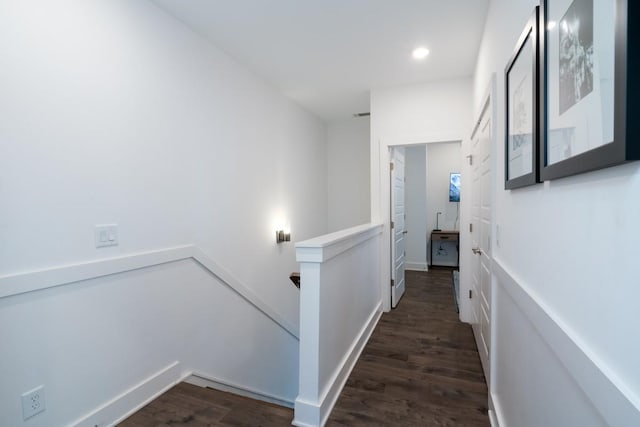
<point>106,235</point>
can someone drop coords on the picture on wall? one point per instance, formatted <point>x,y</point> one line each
<point>454,187</point>
<point>522,113</point>
<point>521,129</point>
<point>584,93</point>
<point>575,54</point>
<point>522,126</point>
<point>586,119</point>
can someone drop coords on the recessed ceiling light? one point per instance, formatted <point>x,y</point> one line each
<point>420,53</point>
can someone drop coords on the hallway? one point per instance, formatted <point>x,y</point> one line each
<point>420,368</point>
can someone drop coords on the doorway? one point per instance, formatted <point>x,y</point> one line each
<point>419,202</point>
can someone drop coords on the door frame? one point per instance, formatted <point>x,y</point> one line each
<point>397,290</point>
<point>489,101</point>
<point>381,198</point>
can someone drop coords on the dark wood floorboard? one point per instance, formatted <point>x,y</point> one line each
<point>420,368</point>
<point>194,406</point>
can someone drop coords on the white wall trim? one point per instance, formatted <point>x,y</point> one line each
<point>321,410</point>
<point>19,283</point>
<point>341,375</point>
<point>608,393</point>
<point>489,98</point>
<point>323,248</point>
<point>493,420</point>
<point>135,398</point>
<point>204,380</point>
<point>245,291</point>
<point>127,403</point>
<point>496,417</point>
<point>416,266</point>
<point>434,137</point>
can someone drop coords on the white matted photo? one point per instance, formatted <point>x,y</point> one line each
<point>580,77</point>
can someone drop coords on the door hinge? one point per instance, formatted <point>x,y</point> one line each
<point>470,157</point>
<point>392,225</point>
<point>392,282</point>
<point>470,294</point>
<point>391,165</point>
<point>470,228</point>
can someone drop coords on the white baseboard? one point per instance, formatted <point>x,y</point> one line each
<point>310,414</point>
<point>495,412</point>
<point>493,420</point>
<point>133,399</point>
<point>205,380</point>
<point>416,266</point>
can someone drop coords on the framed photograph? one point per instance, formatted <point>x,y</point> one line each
<point>522,109</point>
<point>588,120</point>
<point>454,187</point>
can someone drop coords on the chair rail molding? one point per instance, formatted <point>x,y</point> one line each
<point>607,393</point>
<point>19,283</point>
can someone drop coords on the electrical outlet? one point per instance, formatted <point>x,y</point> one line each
<point>33,402</point>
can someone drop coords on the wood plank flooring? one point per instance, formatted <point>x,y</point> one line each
<point>194,406</point>
<point>420,368</point>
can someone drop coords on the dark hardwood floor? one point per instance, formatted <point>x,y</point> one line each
<point>420,368</point>
<point>194,406</point>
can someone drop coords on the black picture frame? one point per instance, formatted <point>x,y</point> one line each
<point>613,24</point>
<point>522,101</point>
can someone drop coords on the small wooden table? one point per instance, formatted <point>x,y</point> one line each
<point>451,237</point>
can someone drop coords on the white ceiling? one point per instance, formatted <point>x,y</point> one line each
<point>327,54</point>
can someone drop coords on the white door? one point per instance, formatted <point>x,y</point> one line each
<point>480,292</point>
<point>397,228</point>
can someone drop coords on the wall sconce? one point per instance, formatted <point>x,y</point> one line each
<point>282,236</point>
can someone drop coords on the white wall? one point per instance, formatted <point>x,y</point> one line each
<point>442,159</point>
<point>413,114</point>
<point>348,173</point>
<point>570,246</point>
<point>112,111</point>
<point>415,172</point>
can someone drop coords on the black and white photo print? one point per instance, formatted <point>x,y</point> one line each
<point>576,54</point>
